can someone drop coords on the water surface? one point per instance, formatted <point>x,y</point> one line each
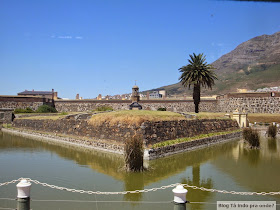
<point>228,166</point>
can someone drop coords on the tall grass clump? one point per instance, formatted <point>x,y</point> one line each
<point>252,137</point>
<point>46,109</point>
<point>134,153</point>
<point>272,131</point>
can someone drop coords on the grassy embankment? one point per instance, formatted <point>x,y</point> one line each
<point>134,117</point>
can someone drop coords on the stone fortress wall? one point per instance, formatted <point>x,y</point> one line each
<point>249,102</point>
<point>170,105</point>
<point>151,132</point>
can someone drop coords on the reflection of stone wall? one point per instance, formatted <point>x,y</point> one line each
<point>250,105</point>
<point>152,132</point>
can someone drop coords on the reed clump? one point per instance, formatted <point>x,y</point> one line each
<point>252,137</point>
<point>134,152</point>
<point>272,131</point>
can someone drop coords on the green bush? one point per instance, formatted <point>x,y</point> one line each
<point>46,109</point>
<point>161,109</point>
<point>252,137</point>
<point>64,113</point>
<point>20,110</point>
<point>104,108</point>
<point>272,131</point>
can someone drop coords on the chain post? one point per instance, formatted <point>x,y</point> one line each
<point>23,197</point>
<point>180,197</point>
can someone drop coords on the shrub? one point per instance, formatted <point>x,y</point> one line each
<point>272,131</point>
<point>104,108</point>
<point>161,109</point>
<point>252,137</point>
<point>46,109</point>
<point>20,110</point>
<point>134,153</point>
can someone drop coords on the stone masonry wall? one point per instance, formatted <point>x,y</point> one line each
<point>14,105</point>
<point>170,105</point>
<point>250,105</point>
<point>88,105</point>
<point>155,132</point>
<point>152,132</point>
<point>190,145</point>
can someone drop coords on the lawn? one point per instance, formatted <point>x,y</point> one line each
<point>134,117</point>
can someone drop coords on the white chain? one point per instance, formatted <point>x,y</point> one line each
<point>10,182</point>
<point>140,191</point>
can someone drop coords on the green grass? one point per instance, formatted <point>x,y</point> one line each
<point>193,138</point>
<point>134,117</point>
<point>7,125</point>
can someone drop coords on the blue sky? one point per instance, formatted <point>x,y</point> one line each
<point>103,46</point>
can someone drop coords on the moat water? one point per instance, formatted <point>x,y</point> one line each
<point>228,166</point>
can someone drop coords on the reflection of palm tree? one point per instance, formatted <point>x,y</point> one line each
<point>252,155</point>
<point>133,181</point>
<point>272,145</point>
<point>197,195</point>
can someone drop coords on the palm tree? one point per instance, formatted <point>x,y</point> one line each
<point>197,73</point>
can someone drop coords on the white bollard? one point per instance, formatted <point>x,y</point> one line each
<point>180,197</point>
<point>23,197</point>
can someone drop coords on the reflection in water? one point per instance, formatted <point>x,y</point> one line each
<point>252,155</point>
<point>272,144</point>
<point>197,195</point>
<point>231,158</point>
<point>133,181</point>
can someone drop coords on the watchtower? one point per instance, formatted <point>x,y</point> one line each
<point>135,98</point>
<point>135,94</point>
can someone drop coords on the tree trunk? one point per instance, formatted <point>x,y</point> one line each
<point>196,96</point>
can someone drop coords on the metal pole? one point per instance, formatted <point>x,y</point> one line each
<point>23,204</point>
<point>180,197</point>
<point>23,197</point>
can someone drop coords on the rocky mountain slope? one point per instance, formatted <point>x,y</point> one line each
<point>251,65</point>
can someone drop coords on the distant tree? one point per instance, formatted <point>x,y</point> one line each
<point>197,73</point>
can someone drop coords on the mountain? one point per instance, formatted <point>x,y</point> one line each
<point>251,65</point>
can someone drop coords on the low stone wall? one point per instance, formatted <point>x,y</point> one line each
<point>79,128</point>
<point>250,105</point>
<point>191,145</point>
<point>6,115</point>
<point>152,132</point>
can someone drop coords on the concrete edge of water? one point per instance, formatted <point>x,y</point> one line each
<point>149,154</point>
<point>64,141</point>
